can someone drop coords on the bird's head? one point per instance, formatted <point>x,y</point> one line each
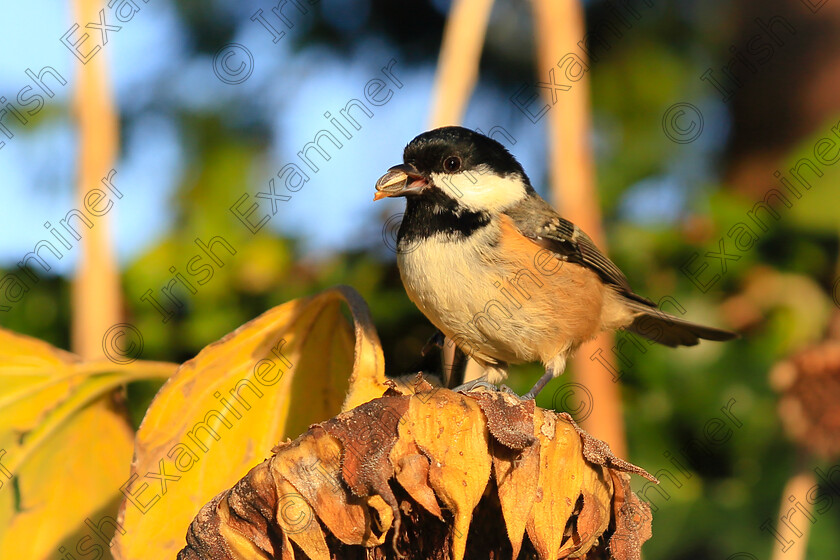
<point>457,165</point>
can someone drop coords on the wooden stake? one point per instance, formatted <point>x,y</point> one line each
<point>559,27</point>
<point>96,291</point>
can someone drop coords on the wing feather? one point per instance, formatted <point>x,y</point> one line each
<point>535,219</point>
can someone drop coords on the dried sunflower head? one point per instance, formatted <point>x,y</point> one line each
<point>809,384</point>
<point>446,475</point>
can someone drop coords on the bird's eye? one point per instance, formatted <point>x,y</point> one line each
<point>452,164</point>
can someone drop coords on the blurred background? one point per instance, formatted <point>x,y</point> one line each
<point>695,107</point>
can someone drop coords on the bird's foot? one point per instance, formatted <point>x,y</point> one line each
<point>538,386</point>
<point>505,389</point>
<point>470,385</point>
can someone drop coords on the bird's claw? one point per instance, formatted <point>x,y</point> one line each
<point>505,389</point>
<point>471,385</point>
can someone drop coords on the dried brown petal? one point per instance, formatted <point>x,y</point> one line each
<point>451,431</point>
<point>510,420</point>
<point>367,436</point>
<point>413,475</point>
<point>591,522</point>
<point>517,475</point>
<point>632,520</point>
<point>411,385</point>
<point>599,452</point>
<point>595,514</point>
<point>559,483</point>
<point>251,507</point>
<point>297,520</point>
<point>311,465</point>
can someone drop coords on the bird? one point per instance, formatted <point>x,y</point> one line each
<point>498,271</point>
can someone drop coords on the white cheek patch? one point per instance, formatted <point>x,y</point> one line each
<point>481,191</point>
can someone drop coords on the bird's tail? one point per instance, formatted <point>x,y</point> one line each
<point>669,330</point>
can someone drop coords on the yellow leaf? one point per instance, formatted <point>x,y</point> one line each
<point>225,409</point>
<point>34,377</point>
<point>368,379</point>
<point>64,451</point>
<point>71,480</point>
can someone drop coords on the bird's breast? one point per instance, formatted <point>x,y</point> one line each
<point>500,297</point>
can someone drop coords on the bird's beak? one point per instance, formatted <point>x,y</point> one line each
<point>400,180</point>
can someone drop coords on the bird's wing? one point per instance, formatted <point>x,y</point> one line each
<point>535,219</point>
